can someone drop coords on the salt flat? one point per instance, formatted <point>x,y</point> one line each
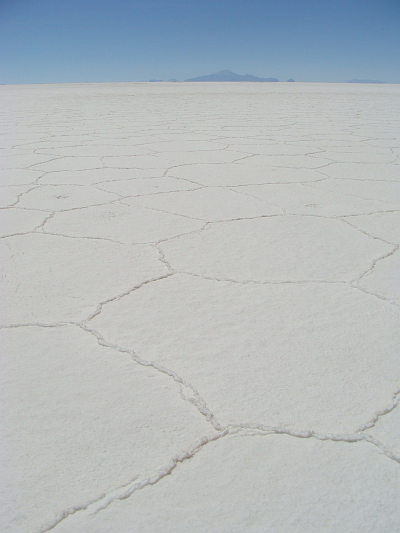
<point>201,308</point>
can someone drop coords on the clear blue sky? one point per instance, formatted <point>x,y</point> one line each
<point>58,41</point>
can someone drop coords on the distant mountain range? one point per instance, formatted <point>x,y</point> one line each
<point>365,81</point>
<point>227,75</point>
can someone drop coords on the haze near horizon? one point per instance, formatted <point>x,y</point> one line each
<point>105,41</point>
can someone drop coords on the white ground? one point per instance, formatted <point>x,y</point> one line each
<point>200,329</point>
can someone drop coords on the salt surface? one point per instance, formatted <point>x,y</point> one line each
<point>200,308</point>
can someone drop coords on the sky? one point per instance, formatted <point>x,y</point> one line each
<point>65,41</point>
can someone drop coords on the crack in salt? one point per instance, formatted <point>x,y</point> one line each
<point>233,429</point>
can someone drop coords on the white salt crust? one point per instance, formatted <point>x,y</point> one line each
<point>200,308</point>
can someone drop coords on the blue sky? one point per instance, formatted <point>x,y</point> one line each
<point>59,41</point>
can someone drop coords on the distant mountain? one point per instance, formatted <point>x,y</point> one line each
<point>365,81</point>
<point>227,75</point>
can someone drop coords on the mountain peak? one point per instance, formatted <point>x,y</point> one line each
<point>227,75</point>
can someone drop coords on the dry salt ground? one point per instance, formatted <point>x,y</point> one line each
<point>201,308</point>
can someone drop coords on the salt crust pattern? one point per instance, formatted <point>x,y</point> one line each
<point>200,289</point>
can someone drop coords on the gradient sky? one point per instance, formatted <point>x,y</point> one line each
<point>59,41</point>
